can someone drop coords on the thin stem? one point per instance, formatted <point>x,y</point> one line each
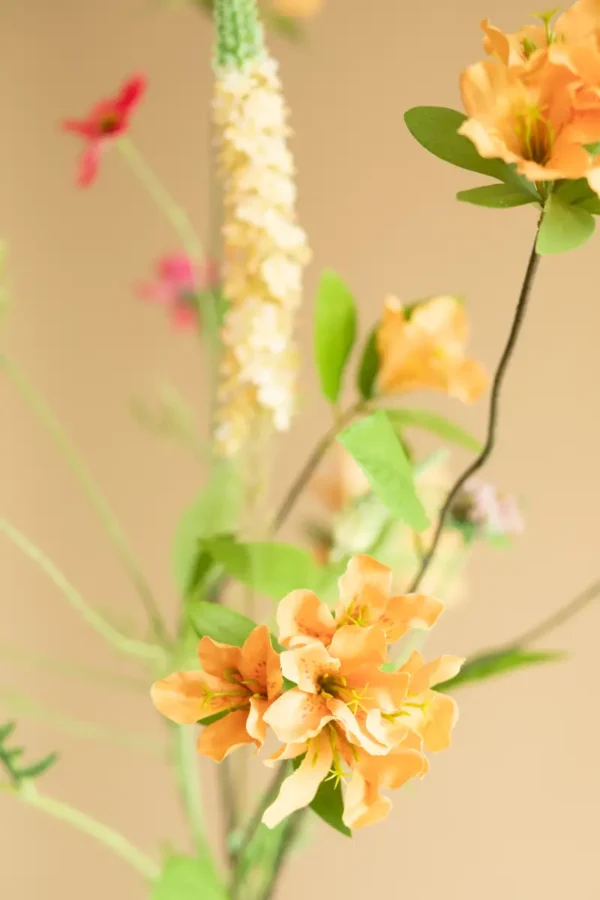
<point>288,840</point>
<point>78,728</point>
<point>229,805</point>
<point>266,800</point>
<point>571,609</point>
<point>188,778</point>
<point>312,464</point>
<point>176,215</point>
<point>494,409</point>
<point>90,489</point>
<point>74,669</point>
<point>110,838</point>
<point>120,642</point>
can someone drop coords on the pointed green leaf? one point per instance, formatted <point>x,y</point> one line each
<point>369,367</point>
<point>489,665</point>
<point>335,332</point>
<point>219,622</point>
<point>563,227</point>
<point>37,769</point>
<point>184,878</point>
<point>496,196</point>
<point>270,568</point>
<point>438,425</point>
<point>213,512</point>
<point>329,803</point>
<point>6,730</point>
<point>436,129</point>
<point>375,446</point>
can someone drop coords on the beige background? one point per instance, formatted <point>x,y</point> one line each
<point>513,810</point>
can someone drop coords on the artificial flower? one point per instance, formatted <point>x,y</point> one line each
<point>365,620</point>
<point>107,121</point>
<point>344,711</point>
<point>423,346</point>
<point>241,682</point>
<point>265,253</point>
<point>530,119</point>
<point>488,510</point>
<point>177,285</point>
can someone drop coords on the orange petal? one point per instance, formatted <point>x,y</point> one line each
<point>467,380</point>
<point>183,696</point>
<point>302,619</point>
<point>495,42</point>
<point>299,789</point>
<point>217,659</point>
<point>256,726</point>
<point>445,319</point>
<point>305,666</point>
<point>410,611</point>
<point>222,737</point>
<point>288,751</point>
<point>412,665</point>
<point>355,730</point>
<point>436,672</point>
<point>364,574</point>
<point>363,804</point>
<point>379,690</point>
<point>355,646</point>
<point>297,716</point>
<point>440,718</point>
<point>259,665</point>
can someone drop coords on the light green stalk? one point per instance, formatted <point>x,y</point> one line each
<point>185,761</point>
<point>106,836</point>
<point>122,643</point>
<point>90,488</point>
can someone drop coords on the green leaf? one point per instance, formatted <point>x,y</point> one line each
<point>219,622</point>
<point>369,367</point>
<point>213,512</point>
<point>496,196</point>
<point>577,192</point>
<point>329,803</point>
<point>335,332</point>
<point>436,129</point>
<point>37,769</point>
<point>269,568</point>
<point>563,227</point>
<point>375,447</point>
<point>184,878</point>
<point>489,665</point>
<point>438,425</point>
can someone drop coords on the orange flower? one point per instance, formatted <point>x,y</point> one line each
<point>345,711</point>
<point>530,117</point>
<point>424,347</point>
<point>366,617</point>
<point>298,8</point>
<point>241,682</point>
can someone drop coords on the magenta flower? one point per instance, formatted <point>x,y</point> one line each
<point>177,286</point>
<point>107,120</point>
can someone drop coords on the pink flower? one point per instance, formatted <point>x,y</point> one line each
<point>489,510</point>
<point>177,285</point>
<point>107,120</point>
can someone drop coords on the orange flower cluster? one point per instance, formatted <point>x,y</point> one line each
<point>537,102</point>
<point>346,718</point>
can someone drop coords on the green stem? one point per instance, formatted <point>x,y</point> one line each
<point>68,668</point>
<point>188,779</point>
<point>90,488</point>
<point>120,642</point>
<point>86,824</point>
<point>24,706</point>
<point>176,215</point>
<point>314,460</point>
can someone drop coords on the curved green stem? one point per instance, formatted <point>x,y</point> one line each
<point>176,215</point>
<point>68,668</point>
<point>106,836</point>
<point>120,642</point>
<point>188,779</point>
<point>90,488</point>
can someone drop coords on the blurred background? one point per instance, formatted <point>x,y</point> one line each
<point>512,811</point>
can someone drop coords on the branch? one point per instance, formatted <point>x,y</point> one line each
<point>115,841</point>
<point>119,641</point>
<point>90,488</point>
<point>569,611</point>
<point>490,441</point>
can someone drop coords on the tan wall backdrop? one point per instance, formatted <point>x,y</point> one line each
<point>512,811</point>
